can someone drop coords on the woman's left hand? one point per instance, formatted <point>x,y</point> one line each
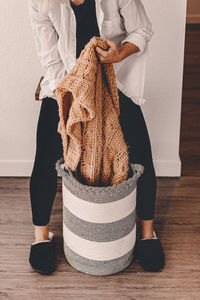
<point>111,55</point>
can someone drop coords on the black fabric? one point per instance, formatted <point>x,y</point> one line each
<point>86,23</point>
<point>151,254</point>
<point>137,138</point>
<point>42,257</point>
<point>43,181</point>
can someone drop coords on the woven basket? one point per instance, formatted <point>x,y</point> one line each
<point>99,223</point>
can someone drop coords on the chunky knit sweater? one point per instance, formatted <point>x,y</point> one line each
<point>93,143</point>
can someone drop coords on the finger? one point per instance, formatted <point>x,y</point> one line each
<point>101,58</point>
<point>101,52</point>
<point>111,43</point>
<point>113,46</point>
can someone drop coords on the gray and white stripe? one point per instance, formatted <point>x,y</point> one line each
<point>99,223</point>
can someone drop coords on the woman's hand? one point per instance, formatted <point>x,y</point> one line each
<point>114,54</point>
<point>111,55</point>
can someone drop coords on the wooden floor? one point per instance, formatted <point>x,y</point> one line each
<point>177,224</point>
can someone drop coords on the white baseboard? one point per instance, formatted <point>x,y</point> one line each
<point>168,168</point>
<point>16,168</point>
<point>193,19</point>
<point>23,168</point>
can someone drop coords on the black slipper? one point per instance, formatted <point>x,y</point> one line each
<point>150,253</point>
<point>43,255</point>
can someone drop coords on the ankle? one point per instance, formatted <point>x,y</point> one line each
<point>41,233</point>
<point>147,229</point>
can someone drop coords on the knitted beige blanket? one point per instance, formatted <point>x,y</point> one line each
<point>93,142</point>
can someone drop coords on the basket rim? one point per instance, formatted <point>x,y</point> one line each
<point>137,169</point>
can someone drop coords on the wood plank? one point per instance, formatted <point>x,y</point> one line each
<point>190,120</point>
<point>176,223</point>
<point>191,80</point>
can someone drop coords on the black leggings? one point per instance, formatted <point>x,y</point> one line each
<point>43,181</point>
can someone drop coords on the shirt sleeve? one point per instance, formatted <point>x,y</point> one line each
<point>136,23</point>
<point>46,38</point>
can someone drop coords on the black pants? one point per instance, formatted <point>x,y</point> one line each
<point>43,181</point>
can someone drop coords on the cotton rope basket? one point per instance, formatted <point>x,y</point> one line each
<point>99,223</point>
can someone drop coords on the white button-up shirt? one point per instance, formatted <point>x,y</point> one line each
<point>54,29</point>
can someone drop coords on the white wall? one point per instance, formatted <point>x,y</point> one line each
<point>21,71</point>
<point>163,87</point>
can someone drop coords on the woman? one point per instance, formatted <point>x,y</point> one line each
<point>61,29</point>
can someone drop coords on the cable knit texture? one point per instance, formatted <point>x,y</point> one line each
<point>93,143</point>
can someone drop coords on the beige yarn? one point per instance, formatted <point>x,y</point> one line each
<point>93,142</point>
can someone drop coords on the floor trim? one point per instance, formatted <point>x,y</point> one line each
<point>23,168</point>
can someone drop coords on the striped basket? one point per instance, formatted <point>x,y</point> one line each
<point>99,223</point>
